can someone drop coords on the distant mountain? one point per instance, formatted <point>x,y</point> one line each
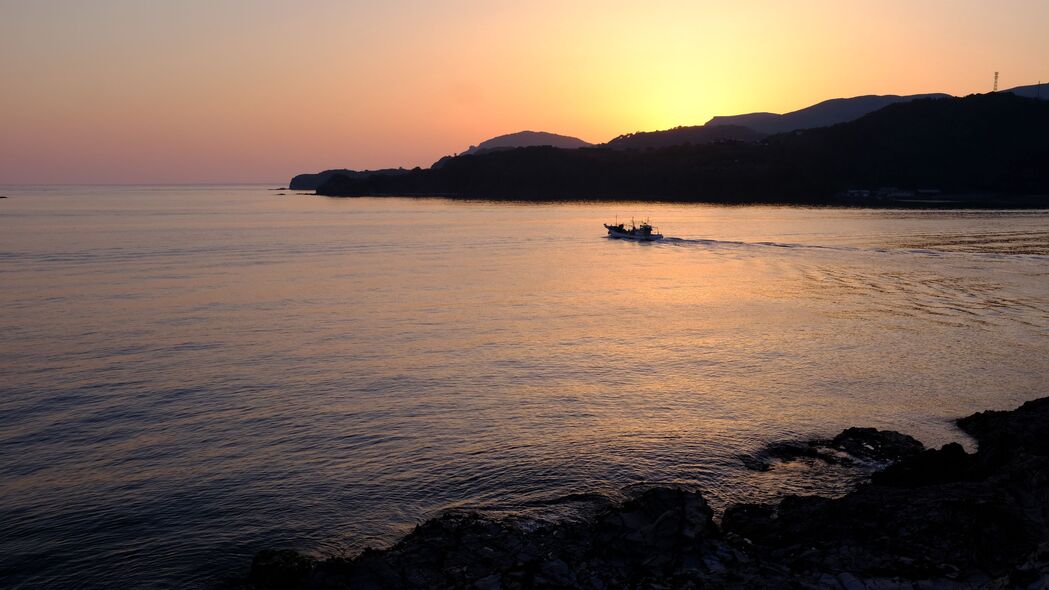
<point>1033,91</point>
<point>824,114</point>
<point>520,139</point>
<point>684,135</point>
<point>310,182</point>
<point>527,139</point>
<point>754,126</point>
<point>747,128</point>
<point>985,149</point>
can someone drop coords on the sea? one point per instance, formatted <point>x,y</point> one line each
<point>191,374</point>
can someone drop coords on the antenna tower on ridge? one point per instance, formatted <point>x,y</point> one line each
<point>995,82</point>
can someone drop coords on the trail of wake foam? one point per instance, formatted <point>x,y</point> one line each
<point>854,249</point>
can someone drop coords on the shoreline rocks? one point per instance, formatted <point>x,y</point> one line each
<point>851,447</point>
<point>933,518</point>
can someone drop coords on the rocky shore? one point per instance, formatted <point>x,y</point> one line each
<point>931,518</point>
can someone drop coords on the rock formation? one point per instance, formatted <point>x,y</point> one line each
<point>931,519</point>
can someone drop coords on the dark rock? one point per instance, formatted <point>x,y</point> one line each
<point>556,573</point>
<point>792,451</point>
<point>492,582</point>
<point>889,531</point>
<point>867,445</point>
<point>789,451</point>
<point>754,463</point>
<point>939,516</point>
<point>871,444</point>
<point>934,519</point>
<point>1026,428</point>
<point>950,463</point>
<point>748,521</point>
<point>280,569</point>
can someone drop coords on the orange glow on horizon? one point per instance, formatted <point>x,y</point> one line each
<point>257,91</point>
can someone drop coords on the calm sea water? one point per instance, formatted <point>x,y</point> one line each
<point>191,374</point>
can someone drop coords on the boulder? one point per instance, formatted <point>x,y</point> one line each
<point>870,444</point>
<point>949,463</point>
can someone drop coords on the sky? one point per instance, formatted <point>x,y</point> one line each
<point>206,91</point>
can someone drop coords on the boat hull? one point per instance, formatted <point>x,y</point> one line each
<point>615,235</point>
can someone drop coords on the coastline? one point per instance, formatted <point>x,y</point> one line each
<point>945,202</point>
<point>932,518</point>
<point>927,152</point>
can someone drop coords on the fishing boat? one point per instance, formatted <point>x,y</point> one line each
<point>643,232</point>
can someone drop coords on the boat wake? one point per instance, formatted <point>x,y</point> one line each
<point>687,241</point>
<point>731,244</point>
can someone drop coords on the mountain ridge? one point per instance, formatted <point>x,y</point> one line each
<point>697,134</point>
<point>747,127</point>
<point>1040,91</point>
<point>822,114</point>
<point>527,139</point>
<point>990,145</point>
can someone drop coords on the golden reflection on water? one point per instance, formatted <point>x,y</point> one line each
<point>192,365</point>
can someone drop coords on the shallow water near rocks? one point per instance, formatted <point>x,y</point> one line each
<point>191,374</point>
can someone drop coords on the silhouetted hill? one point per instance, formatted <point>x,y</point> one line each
<point>519,140</point>
<point>991,145</point>
<point>527,139</point>
<point>310,182</point>
<point>684,135</point>
<point>824,114</point>
<point>1033,91</point>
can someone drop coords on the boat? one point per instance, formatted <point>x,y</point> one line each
<point>643,233</point>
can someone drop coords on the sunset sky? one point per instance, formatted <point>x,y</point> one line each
<point>150,91</point>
